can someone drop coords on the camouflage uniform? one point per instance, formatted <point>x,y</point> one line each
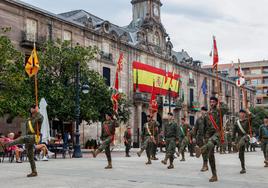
<point>212,136</point>
<point>199,134</point>
<point>171,136</point>
<point>32,124</point>
<point>183,140</point>
<point>107,137</point>
<point>148,137</point>
<point>156,141</point>
<point>242,136</point>
<point>263,133</point>
<point>127,141</point>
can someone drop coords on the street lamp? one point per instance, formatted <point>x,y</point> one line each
<point>85,89</point>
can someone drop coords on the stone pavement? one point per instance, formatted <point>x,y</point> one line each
<point>132,172</point>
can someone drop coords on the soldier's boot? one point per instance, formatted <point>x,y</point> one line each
<point>183,156</point>
<point>214,176</point>
<point>243,170</point>
<point>266,163</point>
<point>198,151</point>
<point>205,167</point>
<point>171,163</point>
<point>127,155</point>
<point>140,152</point>
<point>148,162</point>
<point>33,174</point>
<point>95,153</point>
<point>178,154</point>
<point>109,166</point>
<point>165,160</point>
<point>154,158</point>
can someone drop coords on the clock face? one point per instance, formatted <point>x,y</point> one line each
<point>156,11</point>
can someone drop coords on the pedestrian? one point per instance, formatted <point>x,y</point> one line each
<point>107,138</point>
<point>171,136</point>
<point>33,126</point>
<point>263,135</point>
<point>241,132</point>
<point>212,131</point>
<point>127,140</point>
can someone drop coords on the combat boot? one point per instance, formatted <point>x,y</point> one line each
<point>178,154</point>
<point>165,160</point>
<point>243,171</point>
<point>213,178</point>
<point>33,174</point>
<point>183,156</point>
<point>154,158</point>
<point>171,163</point>
<point>148,162</point>
<point>127,155</point>
<point>109,166</point>
<point>205,167</point>
<point>139,153</point>
<point>197,151</point>
<point>95,153</point>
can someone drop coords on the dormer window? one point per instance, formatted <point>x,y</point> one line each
<point>157,39</point>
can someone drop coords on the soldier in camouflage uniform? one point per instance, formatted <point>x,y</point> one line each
<point>156,141</point>
<point>198,134</point>
<point>171,136</point>
<point>183,138</point>
<point>212,134</point>
<point>33,126</point>
<point>107,137</point>
<point>127,140</point>
<point>228,131</point>
<point>241,132</point>
<point>263,135</point>
<point>148,137</point>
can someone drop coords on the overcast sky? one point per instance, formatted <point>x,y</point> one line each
<point>240,26</point>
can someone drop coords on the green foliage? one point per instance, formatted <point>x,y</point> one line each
<point>56,83</point>
<point>259,114</point>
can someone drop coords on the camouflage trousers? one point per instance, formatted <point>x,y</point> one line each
<point>265,150</point>
<point>148,146</point>
<point>183,143</point>
<point>29,141</point>
<point>200,142</point>
<point>241,145</point>
<point>170,147</point>
<point>128,147</point>
<point>106,147</point>
<point>209,148</point>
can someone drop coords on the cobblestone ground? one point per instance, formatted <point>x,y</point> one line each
<point>132,172</point>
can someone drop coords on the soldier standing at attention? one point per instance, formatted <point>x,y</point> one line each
<point>127,140</point>
<point>212,134</point>
<point>241,131</point>
<point>171,136</point>
<point>183,138</point>
<point>263,133</point>
<point>198,134</point>
<point>33,126</point>
<point>148,136</point>
<point>107,137</point>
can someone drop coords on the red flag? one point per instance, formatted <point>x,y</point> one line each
<point>241,78</point>
<point>166,76</point>
<point>215,54</point>
<point>153,102</point>
<point>172,77</point>
<point>120,63</point>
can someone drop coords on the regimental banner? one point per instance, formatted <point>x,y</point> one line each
<point>145,75</point>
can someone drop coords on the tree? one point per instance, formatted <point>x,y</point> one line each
<point>259,114</point>
<point>56,79</point>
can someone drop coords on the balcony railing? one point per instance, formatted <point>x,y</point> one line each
<point>106,56</point>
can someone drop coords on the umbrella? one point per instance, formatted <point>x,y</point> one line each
<point>45,130</point>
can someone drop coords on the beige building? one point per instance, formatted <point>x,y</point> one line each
<point>144,39</point>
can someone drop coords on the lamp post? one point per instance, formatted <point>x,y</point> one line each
<point>85,89</point>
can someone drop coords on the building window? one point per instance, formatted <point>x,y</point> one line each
<point>191,96</point>
<point>31,29</point>
<point>259,91</point>
<point>255,71</point>
<point>106,72</point>
<point>256,82</point>
<point>259,101</point>
<point>265,80</point>
<point>157,39</point>
<point>265,70</point>
<point>67,35</point>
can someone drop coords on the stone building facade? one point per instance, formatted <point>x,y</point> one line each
<point>144,40</point>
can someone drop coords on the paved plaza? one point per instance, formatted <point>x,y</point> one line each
<point>132,172</point>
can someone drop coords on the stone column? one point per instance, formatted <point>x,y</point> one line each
<point>138,125</point>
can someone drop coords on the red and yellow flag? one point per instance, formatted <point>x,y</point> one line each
<point>32,65</point>
<point>145,75</point>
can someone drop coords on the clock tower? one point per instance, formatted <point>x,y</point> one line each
<point>143,8</point>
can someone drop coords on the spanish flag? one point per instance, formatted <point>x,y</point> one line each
<point>145,75</point>
<point>32,65</point>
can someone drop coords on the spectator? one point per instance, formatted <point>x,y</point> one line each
<point>15,148</point>
<point>44,152</point>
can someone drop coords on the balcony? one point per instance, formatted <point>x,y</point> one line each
<point>28,39</point>
<point>141,97</point>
